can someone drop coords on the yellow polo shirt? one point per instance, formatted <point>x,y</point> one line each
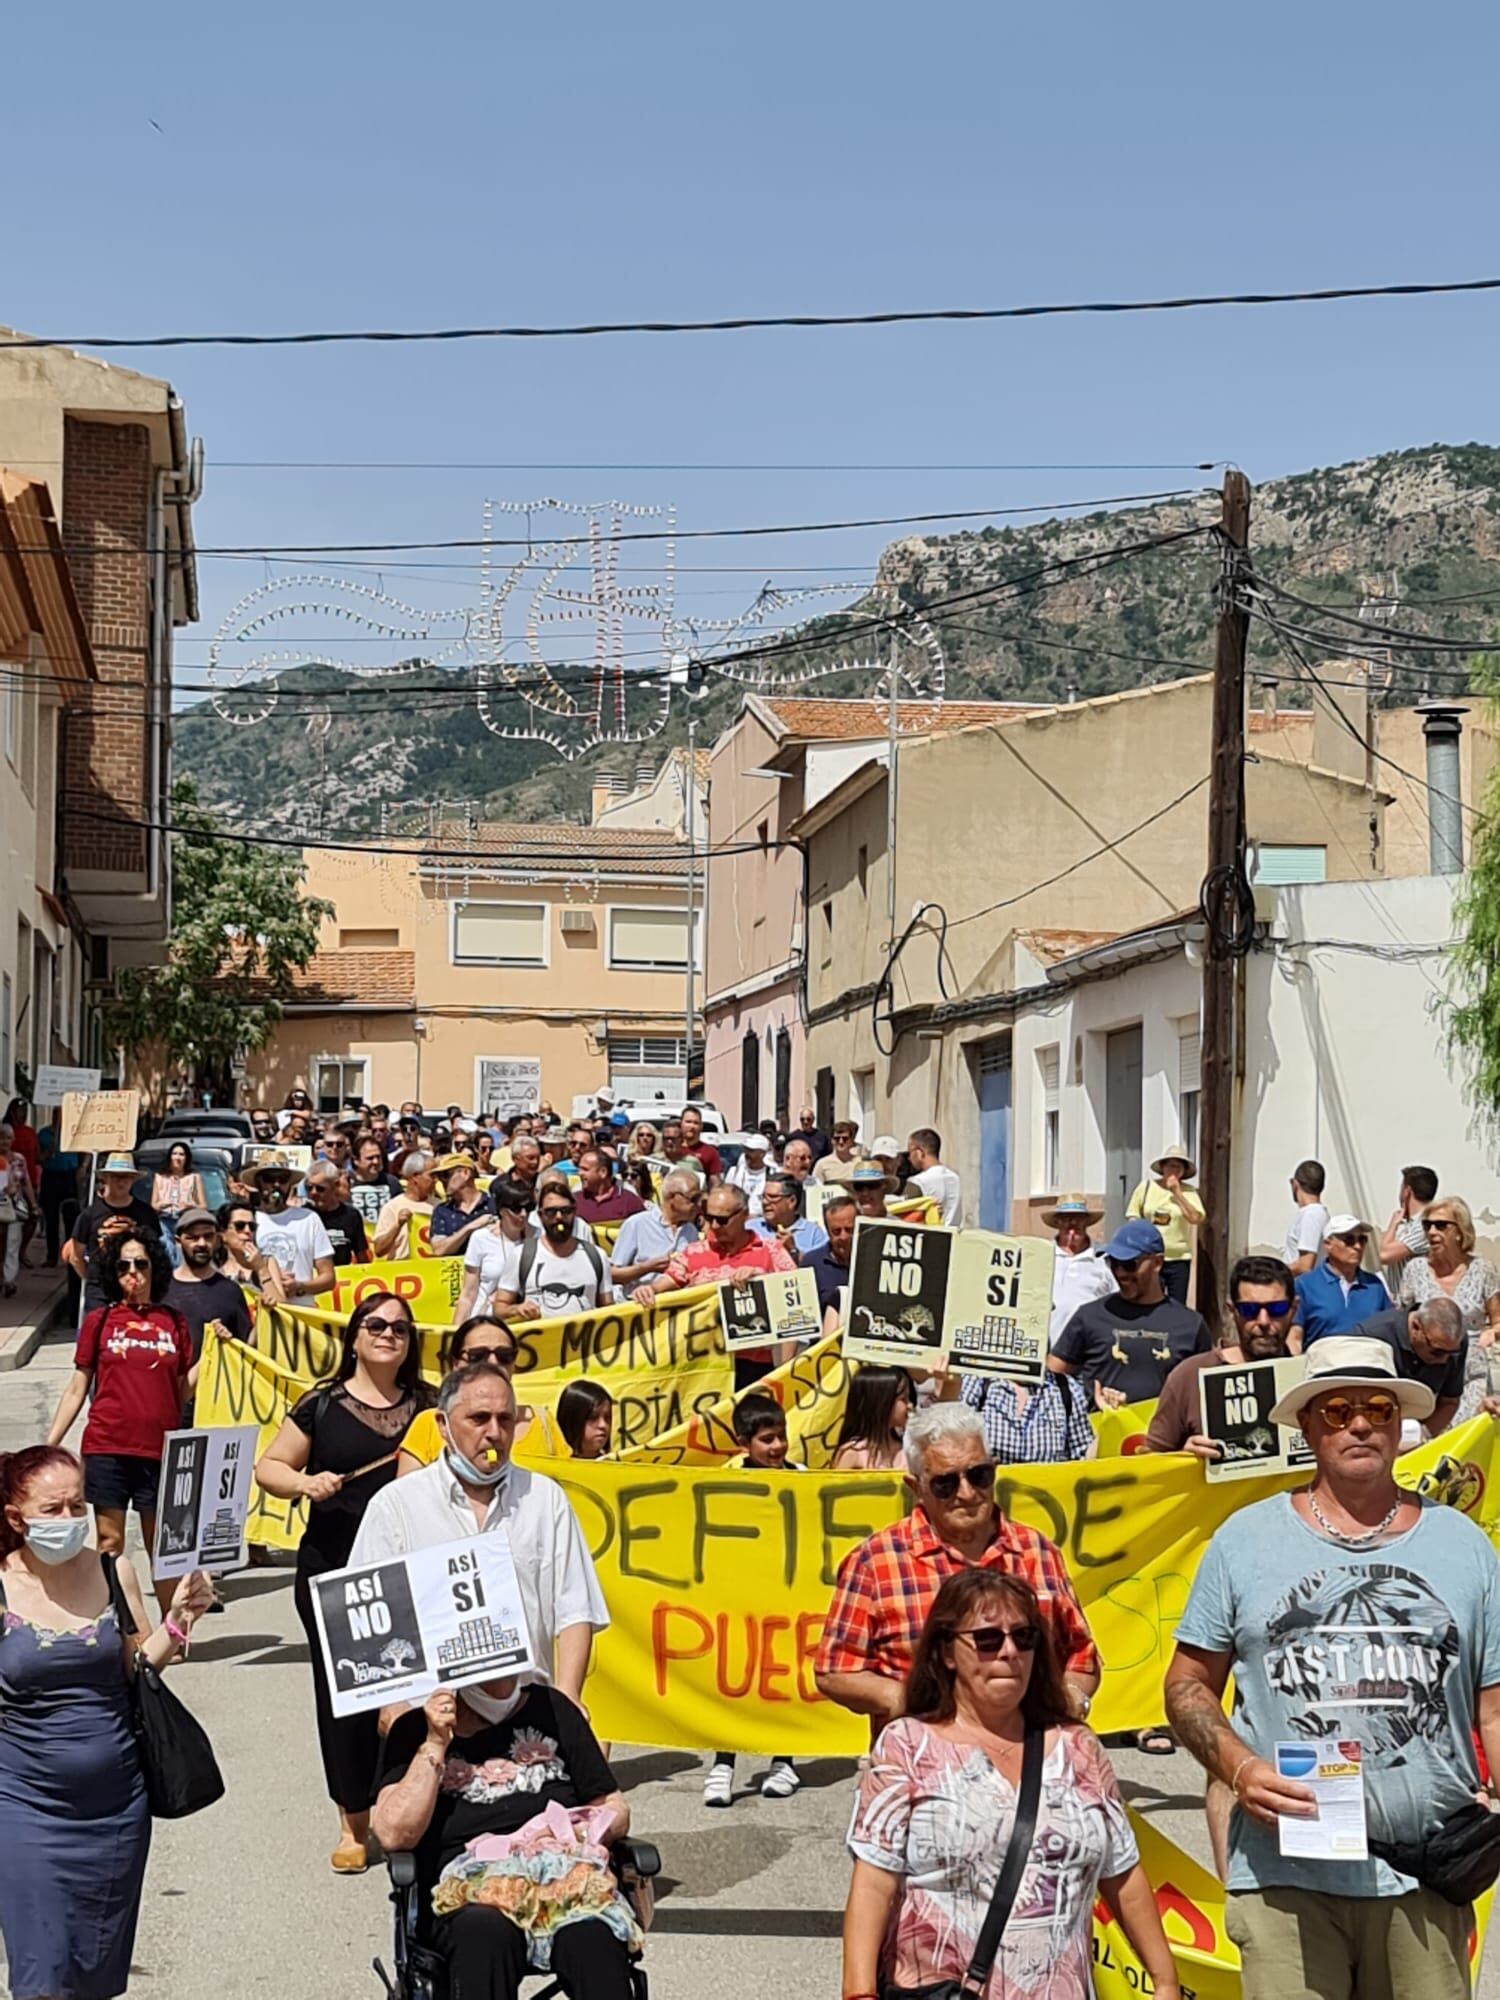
<point>1152,1203</point>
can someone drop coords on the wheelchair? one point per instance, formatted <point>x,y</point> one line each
<point>422,1974</point>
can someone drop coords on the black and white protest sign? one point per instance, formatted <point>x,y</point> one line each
<point>999,1305</point>
<point>439,1617</point>
<point>203,1500</point>
<point>898,1290</point>
<point>1235,1405</point>
<point>782,1306</point>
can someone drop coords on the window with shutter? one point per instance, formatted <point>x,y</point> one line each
<point>499,933</point>
<point>1287,865</point>
<point>1049,1063</point>
<point>648,940</point>
<point>1189,1087</point>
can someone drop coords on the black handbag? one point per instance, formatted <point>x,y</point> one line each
<point>177,1760</point>
<point>1459,1860</point>
<point>1007,1885</point>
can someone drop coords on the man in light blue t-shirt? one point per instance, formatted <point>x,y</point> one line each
<point>1353,1610</point>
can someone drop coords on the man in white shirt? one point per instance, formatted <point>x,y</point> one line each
<point>293,1237</point>
<point>1078,1275</point>
<point>1304,1237</point>
<point>474,1489</point>
<point>748,1173</point>
<point>560,1273</point>
<point>930,1177</point>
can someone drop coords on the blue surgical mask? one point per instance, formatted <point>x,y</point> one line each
<point>57,1538</point>
<point>471,1475</point>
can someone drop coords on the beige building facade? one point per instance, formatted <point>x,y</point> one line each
<point>1019,840</point>
<point>500,965</point>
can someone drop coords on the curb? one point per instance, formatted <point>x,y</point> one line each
<point>51,1314</point>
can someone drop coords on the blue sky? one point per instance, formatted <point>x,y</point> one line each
<point>330,166</point>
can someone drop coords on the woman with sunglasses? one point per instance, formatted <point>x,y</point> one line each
<point>335,1450</point>
<point>134,1358</point>
<point>1451,1270</point>
<point>480,1339</point>
<point>937,1808</point>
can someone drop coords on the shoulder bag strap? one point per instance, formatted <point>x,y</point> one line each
<point>529,1251</point>
<point>1014,1866</point>
<point>128,1627</point>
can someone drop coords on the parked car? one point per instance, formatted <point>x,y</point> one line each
<point>655,1109</point>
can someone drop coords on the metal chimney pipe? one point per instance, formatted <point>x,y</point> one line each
<point>1442,725</point>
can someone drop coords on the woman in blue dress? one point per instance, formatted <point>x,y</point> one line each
<point>75,1827</point>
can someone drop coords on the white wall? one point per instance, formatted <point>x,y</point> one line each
<point>1347,1059</point>
<point>1159,996</point>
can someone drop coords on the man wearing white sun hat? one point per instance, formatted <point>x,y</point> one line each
<point>1350,1612</point>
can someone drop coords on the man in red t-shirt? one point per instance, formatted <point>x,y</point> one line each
<point>697,1147</point>
<point>731,1252</point>
<point>600,1198</point>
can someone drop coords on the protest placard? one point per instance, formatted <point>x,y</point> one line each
<point>898,1293</point>
<point>1235,1405</point>
<point>55,1080</point>
<point>99,1121</point>
<point>439,1617</point>
<point>998,1305</point>
<point>781,1306</point>
<point>203,1500</point>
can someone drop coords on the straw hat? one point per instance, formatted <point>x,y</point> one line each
<point>1183,1158</point>
<point>273,1161</point>
<point>1343,1361</point>
<point>1071,1208</point>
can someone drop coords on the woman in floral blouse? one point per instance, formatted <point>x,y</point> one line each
<point>1451,1270</point>
<point>937,1806</point>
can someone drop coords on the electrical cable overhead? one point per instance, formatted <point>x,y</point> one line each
<point>761,322</point>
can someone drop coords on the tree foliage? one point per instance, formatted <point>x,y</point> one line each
<point>241,926</point>
<point>1474,1010</point>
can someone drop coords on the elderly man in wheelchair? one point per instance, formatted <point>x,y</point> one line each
<point>506,1836</point>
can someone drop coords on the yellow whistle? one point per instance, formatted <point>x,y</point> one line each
<point>491,1456</point>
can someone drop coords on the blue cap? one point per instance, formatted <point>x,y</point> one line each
<point>619,1118</point>
<point>1132,1240</point>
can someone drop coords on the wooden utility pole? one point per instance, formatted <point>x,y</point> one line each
<point>1222,894</point>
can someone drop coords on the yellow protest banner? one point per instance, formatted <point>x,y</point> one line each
<point>1190,1902</point>
<point>812,1388</point>
<point>1122,1431</point>
<point>427,1286</point>
<point>718,1580</point>
<point>919,1208</point>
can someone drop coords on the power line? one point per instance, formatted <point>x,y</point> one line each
<point>1084,859</point>
<point>287,551</point>
<point>217,465</point>
<point>758,323</point>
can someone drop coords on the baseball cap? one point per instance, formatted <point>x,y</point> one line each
<point>1344,1225</point>
<point>1132,1240</point>
<point>885,1146</point>
<point>619,1118</point>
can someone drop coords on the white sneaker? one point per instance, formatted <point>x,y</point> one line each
<point>779,1782</point>
<point>718,1786</point>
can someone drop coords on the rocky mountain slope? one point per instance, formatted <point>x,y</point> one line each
<point>1390,533</point>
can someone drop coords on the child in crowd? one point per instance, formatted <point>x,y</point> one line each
<point>586,1417</point>
<point>760,1431</point>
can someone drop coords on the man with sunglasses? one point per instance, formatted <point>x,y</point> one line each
<point>731,1252</point>
<point>1429,1345</point>
<point>1350,1610</point>
<point>1124,1346</point>
<point>1336,1295</point>
<point>886,1586</point>
<point>558,1272</point>
<point>1263,1312</point>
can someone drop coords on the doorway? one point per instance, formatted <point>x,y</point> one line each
<point>1122,1121</point>
<point>992,1081</point>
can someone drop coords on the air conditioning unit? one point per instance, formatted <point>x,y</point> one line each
<point>577,920</point>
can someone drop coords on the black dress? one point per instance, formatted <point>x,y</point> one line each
<point>344,1434</point>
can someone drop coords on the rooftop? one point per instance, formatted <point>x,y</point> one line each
<point>1048,946</point>
<point>818,721</point>
<point>542,845</point>
<point>355,976</point>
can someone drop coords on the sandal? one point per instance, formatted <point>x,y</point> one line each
<point>1156,1742</point>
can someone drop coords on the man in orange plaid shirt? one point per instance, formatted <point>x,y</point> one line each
<point>886,1586</point>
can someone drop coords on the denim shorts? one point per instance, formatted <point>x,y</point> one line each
<point>112,1479</point>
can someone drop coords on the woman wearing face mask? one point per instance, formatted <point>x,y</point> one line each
<point>335,1451</point>
<point>481,1338</point>
<point>136,1356</point>
<point>74,1824</point>
<point>486,1761</point>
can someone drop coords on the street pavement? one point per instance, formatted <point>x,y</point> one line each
<point>240,1901</point>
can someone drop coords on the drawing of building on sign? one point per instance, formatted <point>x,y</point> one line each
<point>998,1337</point>
<point>477,1639</point>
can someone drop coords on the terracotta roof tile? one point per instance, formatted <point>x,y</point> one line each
<point>1051,945</point>
<point>851,721</point>
<point>377,978</point>
<point>1262,724</point>
<point>544,844</point>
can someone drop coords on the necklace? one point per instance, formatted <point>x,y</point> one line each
<point>1353,1541</point>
